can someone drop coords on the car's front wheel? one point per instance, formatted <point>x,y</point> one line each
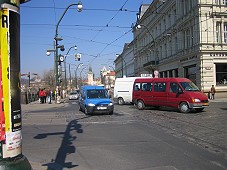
<point>184,108</point>
<point>85,110</point>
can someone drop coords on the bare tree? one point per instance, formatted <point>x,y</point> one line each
<point>49,78</point>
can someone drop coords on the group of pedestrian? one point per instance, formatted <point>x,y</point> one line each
<point>44,95</point>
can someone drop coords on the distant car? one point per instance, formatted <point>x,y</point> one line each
<point>73,95</point>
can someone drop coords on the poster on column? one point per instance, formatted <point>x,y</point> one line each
<point>10,59</point>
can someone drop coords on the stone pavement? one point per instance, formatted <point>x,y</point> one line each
<point>37,106</point>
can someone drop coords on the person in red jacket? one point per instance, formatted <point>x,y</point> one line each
<point>42,95</point>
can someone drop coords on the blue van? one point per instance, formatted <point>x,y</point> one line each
<point>95,99</point>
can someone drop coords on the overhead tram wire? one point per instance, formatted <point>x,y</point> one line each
<point>110,20</point>
<point>110,44</point>
<point>84,9</point>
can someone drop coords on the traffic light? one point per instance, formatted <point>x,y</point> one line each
<point>77,57</point>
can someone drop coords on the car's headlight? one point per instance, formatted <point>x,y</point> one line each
<point>110,104</point>
<point>196,100</point>
<point>91,104</point>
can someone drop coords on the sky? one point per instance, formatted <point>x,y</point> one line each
<point>99,31</point>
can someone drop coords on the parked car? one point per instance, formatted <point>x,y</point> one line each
<point>179,93</point>
<point>95,99</point>
<point>73,95</point>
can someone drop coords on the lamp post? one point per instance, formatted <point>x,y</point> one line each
<point>11,157</point>
<point>79,9</point>
<point>81,76</point>
<point>75,47</point>
<point>139,26</point>
<point>78,66</point>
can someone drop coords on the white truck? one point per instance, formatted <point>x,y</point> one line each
<point>123,90</point>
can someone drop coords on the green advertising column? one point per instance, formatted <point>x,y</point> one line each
<point>11,157</point>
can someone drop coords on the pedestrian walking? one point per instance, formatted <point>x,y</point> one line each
<point>212,91</point>
<point>45,96</point>
<point>42,95</point>
<point>38,95</point>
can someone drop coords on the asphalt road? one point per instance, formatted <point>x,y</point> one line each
<point>59,137</point>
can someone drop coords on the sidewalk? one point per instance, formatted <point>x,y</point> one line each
<point>218,100</point>
<point>37,106</point>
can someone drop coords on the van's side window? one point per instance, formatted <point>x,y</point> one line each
<point>160,87</point>
<point>146,86</point>
<point>174,87</point>
<point>136,87</point>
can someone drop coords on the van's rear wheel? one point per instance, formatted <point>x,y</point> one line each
<point>140,105</point>
<point>121,101</point>
<point>184,108</point>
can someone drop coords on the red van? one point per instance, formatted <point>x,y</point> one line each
<point>179,93</point>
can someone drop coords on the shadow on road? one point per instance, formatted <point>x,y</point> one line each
<point>66,147</point>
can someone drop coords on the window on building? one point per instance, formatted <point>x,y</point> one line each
<point>171,73</point>
<point>190,73</point>
<point>188,38</point>
<point>170,48</point>
<point>224,2</point>
<point>176,44</point>
<point>165,51</point>
<point>221,74</point>
<point>192,36</point>
<point>225,32</point>
<point>176,73</point>
<point>218,32</point>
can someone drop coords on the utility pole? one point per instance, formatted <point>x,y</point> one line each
<point>11,157</point>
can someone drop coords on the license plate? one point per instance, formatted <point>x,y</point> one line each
<point>101,108</point>
<point>205,104</point>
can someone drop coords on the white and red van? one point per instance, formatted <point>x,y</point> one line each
<point>179,93</point>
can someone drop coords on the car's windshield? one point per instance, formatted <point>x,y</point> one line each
<point>73,93</point>
<point>97,93</point>
<point>189,86</point>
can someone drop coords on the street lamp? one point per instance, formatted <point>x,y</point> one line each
<point>139,26</point>
<point>75,47</point>
<point>78,66</point>
<point>79,9</point>
<point>81,76</point>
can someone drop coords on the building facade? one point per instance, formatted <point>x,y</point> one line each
<point>184,38</point>
<point>124,62</point>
